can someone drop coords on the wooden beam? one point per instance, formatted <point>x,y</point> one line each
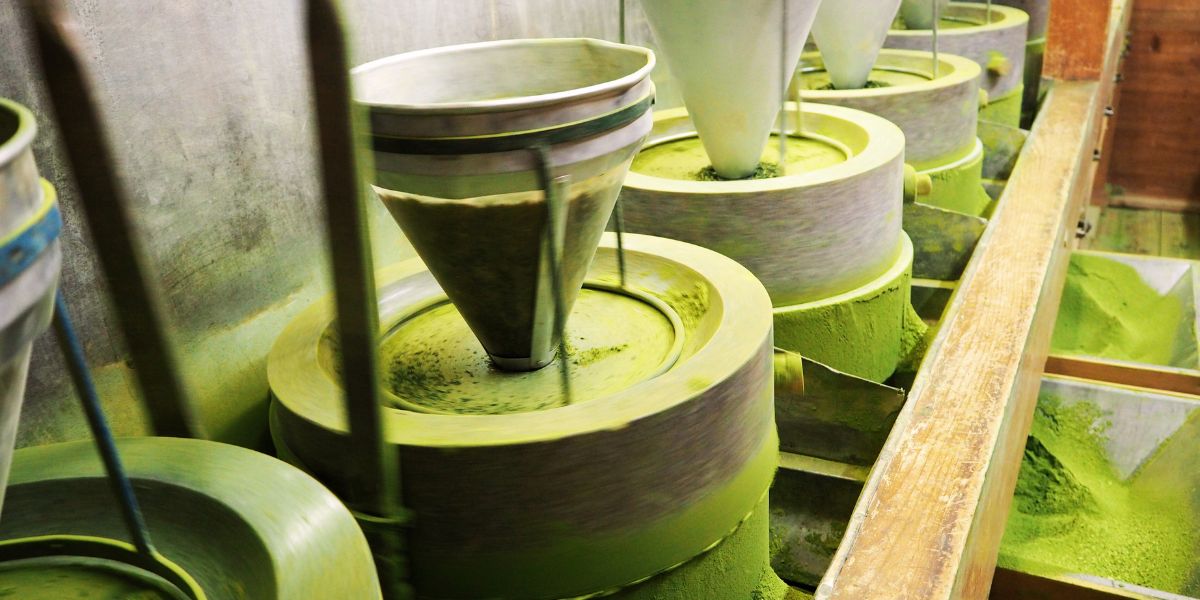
<point>1180,381</point>
<point>929,523</point>
<point>1076,39</point>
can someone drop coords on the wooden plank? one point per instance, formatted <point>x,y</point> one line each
<point>1129,230</point>
<point>1079,34</point>
<point>1155,203</point>
<point>1154,152</point>
<point>1015,585</point>
<point>929,523</point>
<point>950,466</point>
<point>1181,381</point>
<point>1180,235</point>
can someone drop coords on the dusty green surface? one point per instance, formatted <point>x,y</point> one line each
<point>738,568</point>
<point>1108,311</point>
<point>1072,513</point>
<point>434,361</point>
<point>862,335</point>
<point>959,189</point>
<point>63,579</point>
<point>686,160</point>
<point>879,78</point>
<point>1005,109</point>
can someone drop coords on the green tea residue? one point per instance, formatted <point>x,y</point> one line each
<point>1109,311</point>
<point>685,159</point>
<point>1073,513</point>
<point>433,361</point>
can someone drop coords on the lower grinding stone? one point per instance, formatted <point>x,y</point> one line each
<point>938,115</point>
<point>958,186</point>
<point>738,568</point>
<point>861,332</point>
<point>571,500</point>
<point>1006,109</point>
<point>813,232</point>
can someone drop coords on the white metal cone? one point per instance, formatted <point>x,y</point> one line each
<point>918,14</point>
<point>850,34</point>
<point>726,56</point>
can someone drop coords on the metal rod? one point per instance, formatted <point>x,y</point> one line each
<point>785,77</point>
<point>77,367</point>
<point>553,242</point>
<point>619,219</point>
<point>106,210</point>
<point>375,487</point>
<point>937,18</point>
<point>621,23</point>
<point>618,209</point>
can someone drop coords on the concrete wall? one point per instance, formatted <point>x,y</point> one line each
<point>208,108</point>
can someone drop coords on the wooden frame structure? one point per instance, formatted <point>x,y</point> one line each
<point>929,522</point>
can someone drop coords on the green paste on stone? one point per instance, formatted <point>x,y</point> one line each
<point>686,160</point>
<point>943,23</point>
<point>879,78</point>
<point>1109,311</point>
<point>1072,513</point>
<point>433,361</point>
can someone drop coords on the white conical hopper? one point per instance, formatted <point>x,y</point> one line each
<point>850,34</point>
<point>918,14</point>
<point>30,260</point>
<point>726,56</point>
<point>456,133</point>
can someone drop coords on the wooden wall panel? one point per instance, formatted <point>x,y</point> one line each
<point>1155,152</point>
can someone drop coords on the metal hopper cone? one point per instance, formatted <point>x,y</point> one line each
<point>461,135</point>
<point>726,56</point>
<point>850,34</point>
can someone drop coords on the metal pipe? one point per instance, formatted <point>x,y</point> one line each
<point>937,17</point>
<point>375,487</point>
<point>618,210</point>
<point>552,244</point>
<point>106,210</point>
<point>784,77</point>
<point>77,367</point>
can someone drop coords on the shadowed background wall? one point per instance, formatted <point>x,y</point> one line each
<point>209,112</point>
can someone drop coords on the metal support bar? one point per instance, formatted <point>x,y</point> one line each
<point>937,18</point>
<point>553,242</point>
<point>106,209</point>
<point>375,468</point>
<point>785,72</point>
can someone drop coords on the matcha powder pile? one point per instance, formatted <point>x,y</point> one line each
<point>1073,514</point>
<point>1109,311</point>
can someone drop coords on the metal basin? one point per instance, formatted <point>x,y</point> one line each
<point>238,523</point>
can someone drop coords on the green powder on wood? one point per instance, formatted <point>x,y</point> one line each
<point>1072,512</point>
<point>1109,311</point>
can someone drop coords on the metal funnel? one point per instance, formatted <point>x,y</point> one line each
<point>918,14</point>
<point>30,260</point>
<point>726,56</point>
<point>461,135</point>
<point>850,34</point>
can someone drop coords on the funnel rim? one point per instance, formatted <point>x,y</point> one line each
<point>22,137</point>
<point>1011,17</point>
<point>964,70</point>
<point>505,104</point>
<point>742,332</point>
<point>885,144</point>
